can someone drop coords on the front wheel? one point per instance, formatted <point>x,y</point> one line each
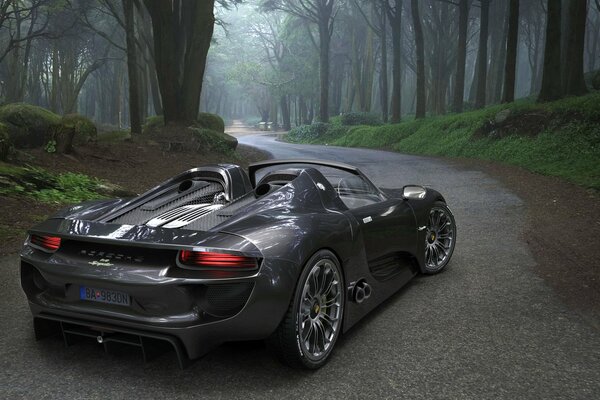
<point>440,238</point>
<point>306,336</point>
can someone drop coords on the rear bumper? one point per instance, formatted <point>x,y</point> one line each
<point>190,316</point>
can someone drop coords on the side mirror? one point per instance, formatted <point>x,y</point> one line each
<point>413,192</point>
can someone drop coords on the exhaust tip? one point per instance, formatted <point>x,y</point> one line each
<point>360,291</point>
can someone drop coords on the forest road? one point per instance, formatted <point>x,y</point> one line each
<point>487,327</point>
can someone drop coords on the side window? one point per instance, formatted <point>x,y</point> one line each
<point>355,192</point>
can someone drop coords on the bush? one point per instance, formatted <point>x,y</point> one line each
<point>361,119</point>
<point>28,126</point>
<point>213,140</point>
<point>305,133</point>
<point>211,121</point>
<point>84,128</point>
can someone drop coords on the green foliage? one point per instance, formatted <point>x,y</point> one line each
<point>567,146</point>
<point>47,187</point>
<point>50,147</point>
<point>304,133</point>
<point>84,128</point>
<point>27,125</point>
<point>355,118</point>
<point>211,121</point>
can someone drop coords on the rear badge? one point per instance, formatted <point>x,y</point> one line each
<point>367,220</point>
<point>104,262</point>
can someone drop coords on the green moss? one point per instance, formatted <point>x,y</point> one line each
<point>211,121</point>
<point>213,140</point>
<point>85,130</point>
<point>567,146</point>
<point>28,126</point>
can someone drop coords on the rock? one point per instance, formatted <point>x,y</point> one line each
<point>28,126</point>
<point>502,116</point>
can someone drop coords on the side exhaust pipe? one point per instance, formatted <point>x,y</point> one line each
<point>359,291</point>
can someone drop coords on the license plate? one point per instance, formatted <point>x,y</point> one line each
<point>103,296</point>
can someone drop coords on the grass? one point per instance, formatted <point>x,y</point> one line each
<point>39,184</point>
<point>563,140</point>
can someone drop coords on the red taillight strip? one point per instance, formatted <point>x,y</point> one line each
<point>50,243</point>
<point>214,259</point>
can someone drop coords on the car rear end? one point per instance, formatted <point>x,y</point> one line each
<point>150,287</point>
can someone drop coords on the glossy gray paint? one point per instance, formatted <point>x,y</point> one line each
<point>283,229</point>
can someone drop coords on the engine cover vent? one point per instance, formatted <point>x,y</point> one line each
<point>173,214</point>
<point>191,216</point>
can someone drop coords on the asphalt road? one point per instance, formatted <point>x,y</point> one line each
<point>487,327</point>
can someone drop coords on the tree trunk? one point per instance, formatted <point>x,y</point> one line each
<point>482,57</point>
<point>324,45</point>
<point>396,23</point>
<point>574,80</point>
<point>182,32</point>
<point>511,52</point>
<point>384,70</point>
<point>461,58</point>
<point>420,56</point>
<point>285,112</point>
<point>132,70</point>
<point>551,75</point>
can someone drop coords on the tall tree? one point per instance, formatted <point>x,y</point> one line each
<point>551,74</point>
<point>321,13</point>
<point>482,54</point>
<point>574,80</point>
<point>511,52</point>
<point>394,12</point>
<point>135,118</point>
<point>182,31</point>
<point>461,56</point>
<point>420,59</point>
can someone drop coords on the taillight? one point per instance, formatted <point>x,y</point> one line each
<point>49,243</point>
<point>209,259</point>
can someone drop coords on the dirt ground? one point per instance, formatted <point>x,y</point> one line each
<point>136,166</point>
<point>563,233</point>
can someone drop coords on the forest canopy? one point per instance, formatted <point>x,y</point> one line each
<point>292,62</point>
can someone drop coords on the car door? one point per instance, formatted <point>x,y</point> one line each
<point>389,234</point>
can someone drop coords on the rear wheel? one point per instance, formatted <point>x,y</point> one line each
<point>306,336</point>
<point>440,238</point>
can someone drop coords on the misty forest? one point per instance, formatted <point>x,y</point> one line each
<point>115,91</point>
<point>292,62</point>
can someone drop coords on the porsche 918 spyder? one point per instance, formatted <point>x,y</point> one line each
<point>293,251</point>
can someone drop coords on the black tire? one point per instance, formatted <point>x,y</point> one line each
<point>443,241</point>
<point>288,342</point>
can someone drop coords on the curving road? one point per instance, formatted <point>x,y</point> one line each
<point>487,327</point>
